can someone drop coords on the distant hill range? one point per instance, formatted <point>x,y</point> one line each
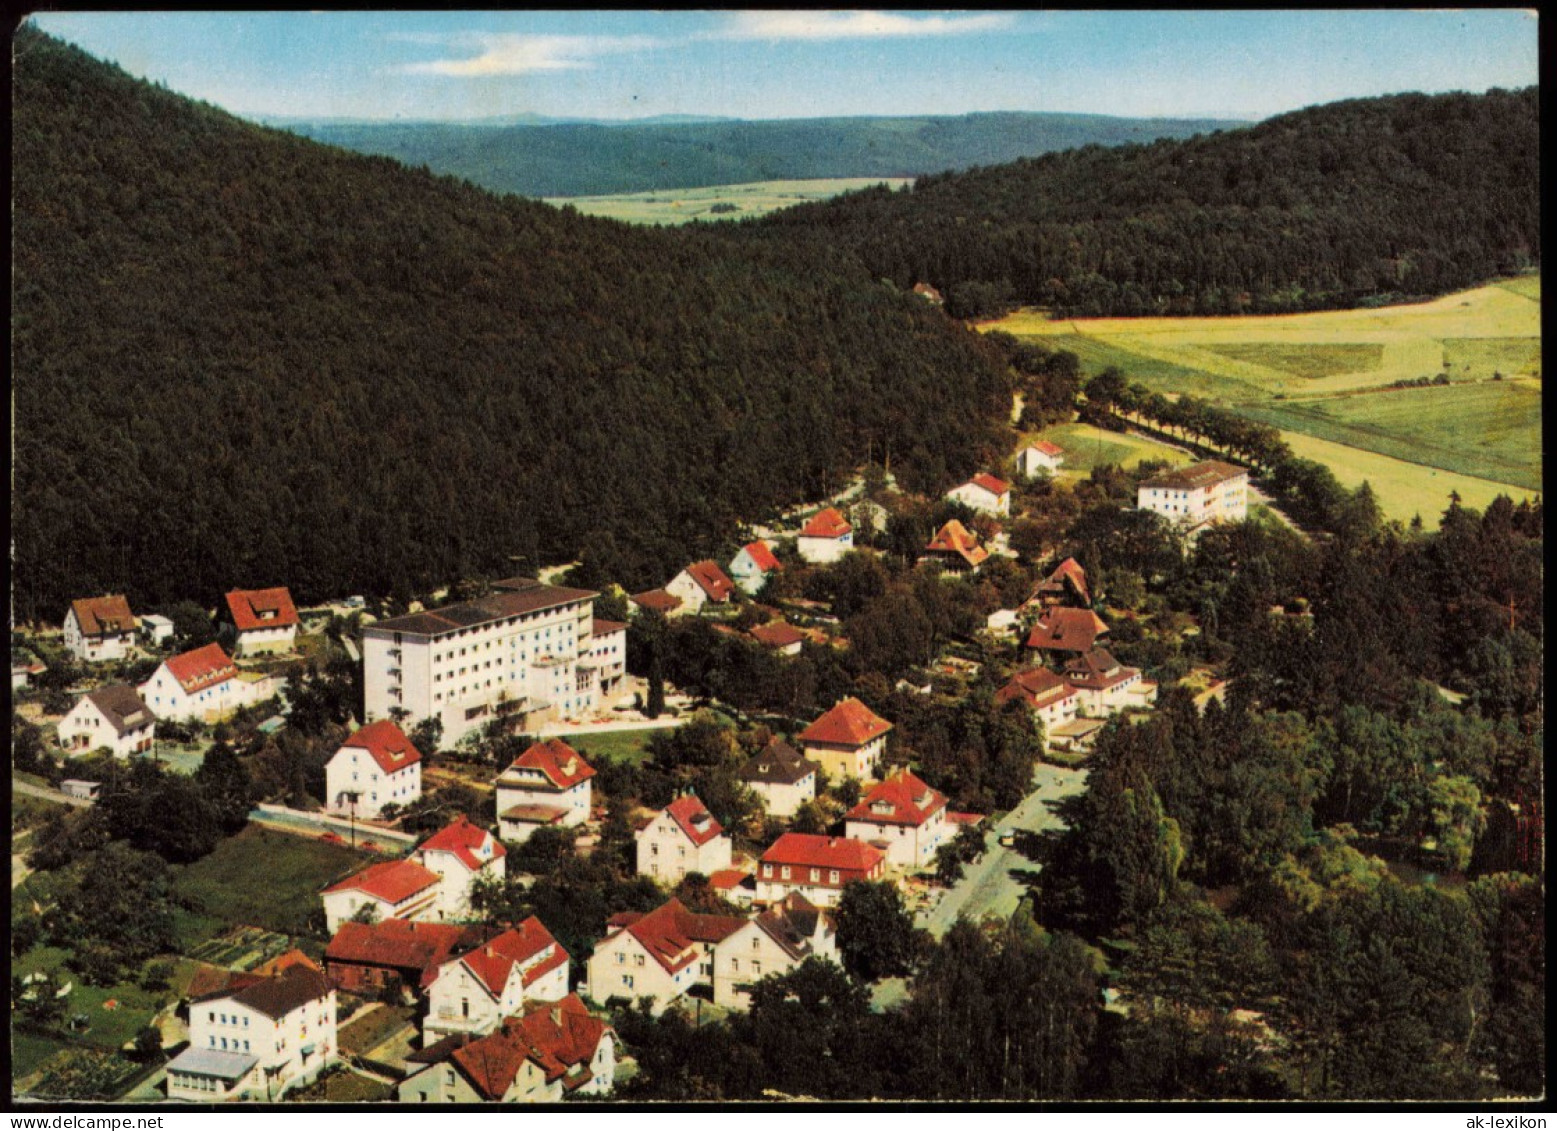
<point>561,158</point>
<point>1366,200</point>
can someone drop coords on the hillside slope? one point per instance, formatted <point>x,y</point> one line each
<point>586,159</point>
<point>1405,195</point>
<point>243,358</point>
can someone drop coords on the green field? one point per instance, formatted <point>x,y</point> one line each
<point>1309,361</point>
<point>263,878</point>
<point>1087,447</point>
<point>1481,358</point>
<point>735,202</point>
<point>630,746</point>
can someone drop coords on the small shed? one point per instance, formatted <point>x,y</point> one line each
<point>76,787</point>
<point>156,628</point>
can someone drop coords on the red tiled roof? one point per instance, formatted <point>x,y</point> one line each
<point>390,748</point>
<point>1047,448</point>
<point>563,766</point>
<point>1067,571</point>
<point>392,881</point>
<point>284,962</point>
<point>826,524</point>
<point>1097,670</point>
<point>201,668</point>
<point>849,723</point>
<point>711,580</point>
<point>556,1036</point>
<point>1037,687</point>
<point>1207,473</point>
<point>955,538</point>
<point>762,556</point>
<point>104,616</point>
<point>493,962</point>
<point>957,818</point>
<point>401,944</point>
<point>727,879</point>
<point>813,851</point>
<point>600,627</point>
<point>1067,630</point>
<point>778,634</point>
<point>656,599</point>
<point>465,841</point>
<point>248,607</point>
<point>694,819</point>
<point>670,930</point>
<point>991,484</point>
<point>903,799</point>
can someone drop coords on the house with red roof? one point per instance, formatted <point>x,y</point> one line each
<point>203,685</point>
<point>658,601</point>
<point>772,942</point>
<point>1047,695</point>
<point>546,785</point>
<point>113,717</point>
<point>1067,585</point>
<point>365,958</point>
<point>779,636</point>
<point>752,565</point>
<point>904,818</point>
<point>376,766</point>
<point>701,583</point>
<point>816,867</point>
<point>826,537</point>
<point>956,548</point>
<point>265,620</point>
<point>554,1050</point>
<point>99,629</point>
<point>390,889</point>
<point>985,493</point>
<point>682,838</point>
<point>660,955</point>
<point>1066,632</point>
<point>461,853</point>
<point>1039,457</point>
<point>847,741</point>
<point>1105,686</point>
<point>475,991</point>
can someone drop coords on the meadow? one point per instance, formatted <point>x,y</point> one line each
<point>1087,447</point>
<point>717,202</point>
<point>1326,380</point>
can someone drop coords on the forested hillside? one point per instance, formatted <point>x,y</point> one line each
<point>1367,199</point>
<point>589,159</point>
<point>243,358</point>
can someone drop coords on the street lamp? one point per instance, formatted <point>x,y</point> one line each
<point>351,812</point>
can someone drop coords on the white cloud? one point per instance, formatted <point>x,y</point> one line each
<point>528,54</point>
<point>855,25</point>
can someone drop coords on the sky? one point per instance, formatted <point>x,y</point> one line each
<point>798,64</point>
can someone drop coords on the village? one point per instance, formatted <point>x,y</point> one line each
<point>413,982</point>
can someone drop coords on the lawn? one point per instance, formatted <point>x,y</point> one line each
<point>1087,447</point>
<point>678,206</point>
<point>30,812</point>
<point>29,1051</point>
<point>373,1027</point>
<point>265,878</point>
<point>631,746</point>
<point>1481,358</point>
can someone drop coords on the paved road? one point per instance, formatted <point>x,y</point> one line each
<point>31,790</point>
<point>988,887</point>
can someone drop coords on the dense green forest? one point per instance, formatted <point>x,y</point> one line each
<point>589,159</point>
<point>1330,206</point>
<point>245,358</point>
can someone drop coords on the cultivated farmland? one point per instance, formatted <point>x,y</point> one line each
<point>1327,380</point>
<point>717,202</point>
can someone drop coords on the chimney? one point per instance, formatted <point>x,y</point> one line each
<point>489,953</point>
<point>556,1016</point>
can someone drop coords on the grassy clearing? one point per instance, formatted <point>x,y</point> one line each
<point>1308,361</point>
<point>630,746</point>
<point>1526,286</point>
<point>678,206</point>
<point>1481,358</point>
<point>1490,431</point>
<point>1087,447</point>
<point>30,812</point>
<point>265,878</point>
<point>372,1028</point>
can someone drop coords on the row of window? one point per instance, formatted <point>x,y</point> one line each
<point>234,1043</point>
<point>226,1019</point>
<point>198,1083</point>
<point>816,873</point>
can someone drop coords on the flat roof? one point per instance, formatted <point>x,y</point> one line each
<point>508,602</point>
<point>213,1062</point>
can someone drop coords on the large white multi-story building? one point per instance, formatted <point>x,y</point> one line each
<point>1194,496</point>
<point>525,653</point>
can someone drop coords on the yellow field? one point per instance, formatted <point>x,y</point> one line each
<point>677,206</point>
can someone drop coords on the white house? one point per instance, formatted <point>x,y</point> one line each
<point>460,853</point>
<point>1039,456</point>
<point>774,942</point>
<point>781,777</point>
<point>660,955</point>
<point>546,785</point>
<point>555,1050</point>
<point>608,653</point>
<point>779,636</point>
<point>1047,695</point>
<point>904,818</point>
<point>984,493</point>
<point>816,867</point>
<point>376,766</point>
<point>203,685</point>
<point>474,992</point>
<point>265,620</point>
<point>522,655</point>
<point>258,1041</point>
<point>847,741</point>
<point>99,629</point>
<point>394,889</point>
<point>112,717</point>
<point>682,838</point>
<point>826,538</point>
<point>751,566</point>
<point>1104,685</point>
<point>157,629</point>
<point>701,583</point>
<point>1192,497</point>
